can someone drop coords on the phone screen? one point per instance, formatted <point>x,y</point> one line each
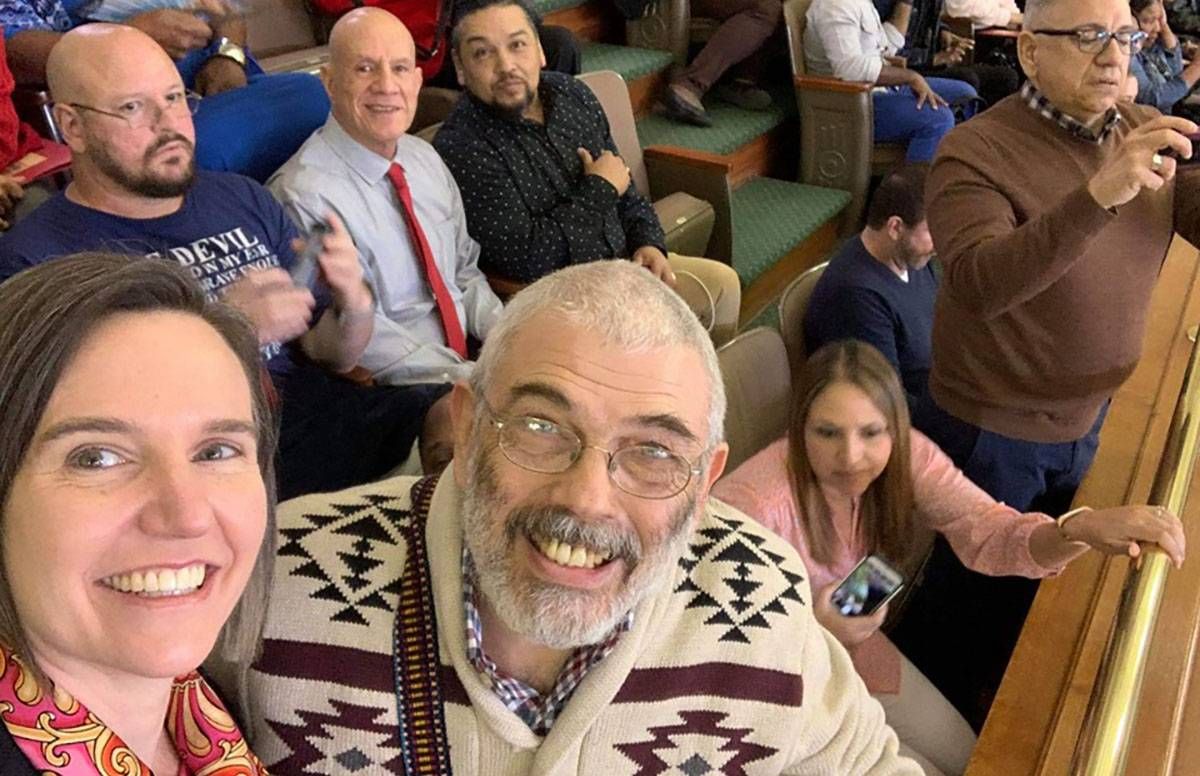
<point>306,271</point>
<point>871,584</point>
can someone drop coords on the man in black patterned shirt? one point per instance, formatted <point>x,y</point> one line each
<point>531,151</point>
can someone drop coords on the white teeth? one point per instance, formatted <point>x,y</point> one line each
<point>159,582</point>
<point>566,555</point>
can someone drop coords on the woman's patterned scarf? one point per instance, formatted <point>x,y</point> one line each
<point>60,737</point>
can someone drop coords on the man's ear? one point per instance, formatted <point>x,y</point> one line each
<point>895,227</point>
<point>458,68</point>
<point>70,126</point>
<point>326,76</point>
<point>1026,50</point>
<point>716,467</point>
<point>462,418</point>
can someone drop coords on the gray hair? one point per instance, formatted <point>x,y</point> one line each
<point>1035,10</point>
<point>623,303</point>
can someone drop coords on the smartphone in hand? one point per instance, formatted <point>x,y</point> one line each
<point>871,584</point>
<point>306,270</point>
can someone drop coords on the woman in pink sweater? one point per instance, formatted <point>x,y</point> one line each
<point>867,482</point>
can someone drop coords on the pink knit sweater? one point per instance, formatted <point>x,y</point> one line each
<point>987,536</point>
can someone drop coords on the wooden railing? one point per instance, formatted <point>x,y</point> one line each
<point>1103,747</point>
<point>1037,723</point>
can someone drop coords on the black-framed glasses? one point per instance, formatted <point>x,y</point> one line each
<point>1092,38</point>
<point>645,470</point>
<point>143,114</point>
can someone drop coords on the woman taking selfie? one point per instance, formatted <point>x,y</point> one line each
<point>135,519</point>
<point>852,479</point>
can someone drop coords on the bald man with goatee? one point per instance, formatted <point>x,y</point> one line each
<point>400,204</point>
<point>124,112</point>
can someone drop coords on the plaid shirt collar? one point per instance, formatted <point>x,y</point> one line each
<point>1043,107</point>
<point>535,710</point>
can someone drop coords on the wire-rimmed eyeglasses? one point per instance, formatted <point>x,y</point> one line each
<point>142,114</point>
<point>643,469</point>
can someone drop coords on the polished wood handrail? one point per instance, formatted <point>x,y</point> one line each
<point>1103,747</point>
<point>1037,718</point>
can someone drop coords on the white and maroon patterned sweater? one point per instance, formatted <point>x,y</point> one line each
<point>725,670</point>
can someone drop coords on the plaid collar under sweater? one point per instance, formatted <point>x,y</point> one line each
<point>535,710</point>
<point>1043,107</point>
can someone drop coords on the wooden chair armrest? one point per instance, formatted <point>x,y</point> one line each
<point>688,157</point>
<point>824,83</point>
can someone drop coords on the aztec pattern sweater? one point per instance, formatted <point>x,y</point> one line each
<point>725,670</point>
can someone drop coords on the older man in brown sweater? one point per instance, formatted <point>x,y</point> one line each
<point>1052,214</point>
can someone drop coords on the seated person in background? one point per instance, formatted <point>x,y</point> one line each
<point>1184,15</point>
<point>248,122</point>
<point>932,49</point>
<point>1163,77</point>
<point>986,13</point>
<point>746,26</point>
<point>138,437</point>
<point>399,203</point>
<point>574,568</point>
<point>135,190</point>
<point>879,287</point>
<point>853,479</point>
<point>539,172</point>
<point>847,39</point>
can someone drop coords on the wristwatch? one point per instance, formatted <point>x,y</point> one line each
<point>230,50</point>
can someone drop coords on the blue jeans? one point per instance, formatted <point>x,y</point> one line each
<point>898,120</point>
<point>255,129</point>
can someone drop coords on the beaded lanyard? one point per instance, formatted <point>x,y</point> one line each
<point>424,747</point>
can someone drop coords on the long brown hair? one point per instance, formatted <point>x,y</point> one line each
<point>48,312</point>
<point>886,520</point>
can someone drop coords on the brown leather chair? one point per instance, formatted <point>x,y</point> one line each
<point>758,389</point>
<point>793,305</point>
<point>837,126</point>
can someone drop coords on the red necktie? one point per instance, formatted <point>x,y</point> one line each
<point>450,323</point>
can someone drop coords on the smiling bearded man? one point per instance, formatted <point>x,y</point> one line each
<point>566,598</point>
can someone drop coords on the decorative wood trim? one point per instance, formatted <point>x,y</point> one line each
<point>1038,713</point>
<point>771,284</point>
<point>688,156</point>
<point>590,21</point>
<point>831,84</point>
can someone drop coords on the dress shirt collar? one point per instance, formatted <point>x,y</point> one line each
<point>369,165</point>
<point>1037,102</point>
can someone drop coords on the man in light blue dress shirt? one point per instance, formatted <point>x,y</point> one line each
<point>373,82</point>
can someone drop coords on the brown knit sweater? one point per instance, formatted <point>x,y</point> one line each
<point>1043,304</point>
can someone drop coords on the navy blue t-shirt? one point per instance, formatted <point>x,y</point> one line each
<point>859,298</point>
<point>228,225</point>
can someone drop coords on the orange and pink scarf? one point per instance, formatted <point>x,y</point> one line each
<point>60,737</point>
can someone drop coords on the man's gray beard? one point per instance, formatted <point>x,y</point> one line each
<point>145,185</point>
<point>556,616</point>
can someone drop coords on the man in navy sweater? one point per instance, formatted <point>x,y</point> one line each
<point>880,287</point>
